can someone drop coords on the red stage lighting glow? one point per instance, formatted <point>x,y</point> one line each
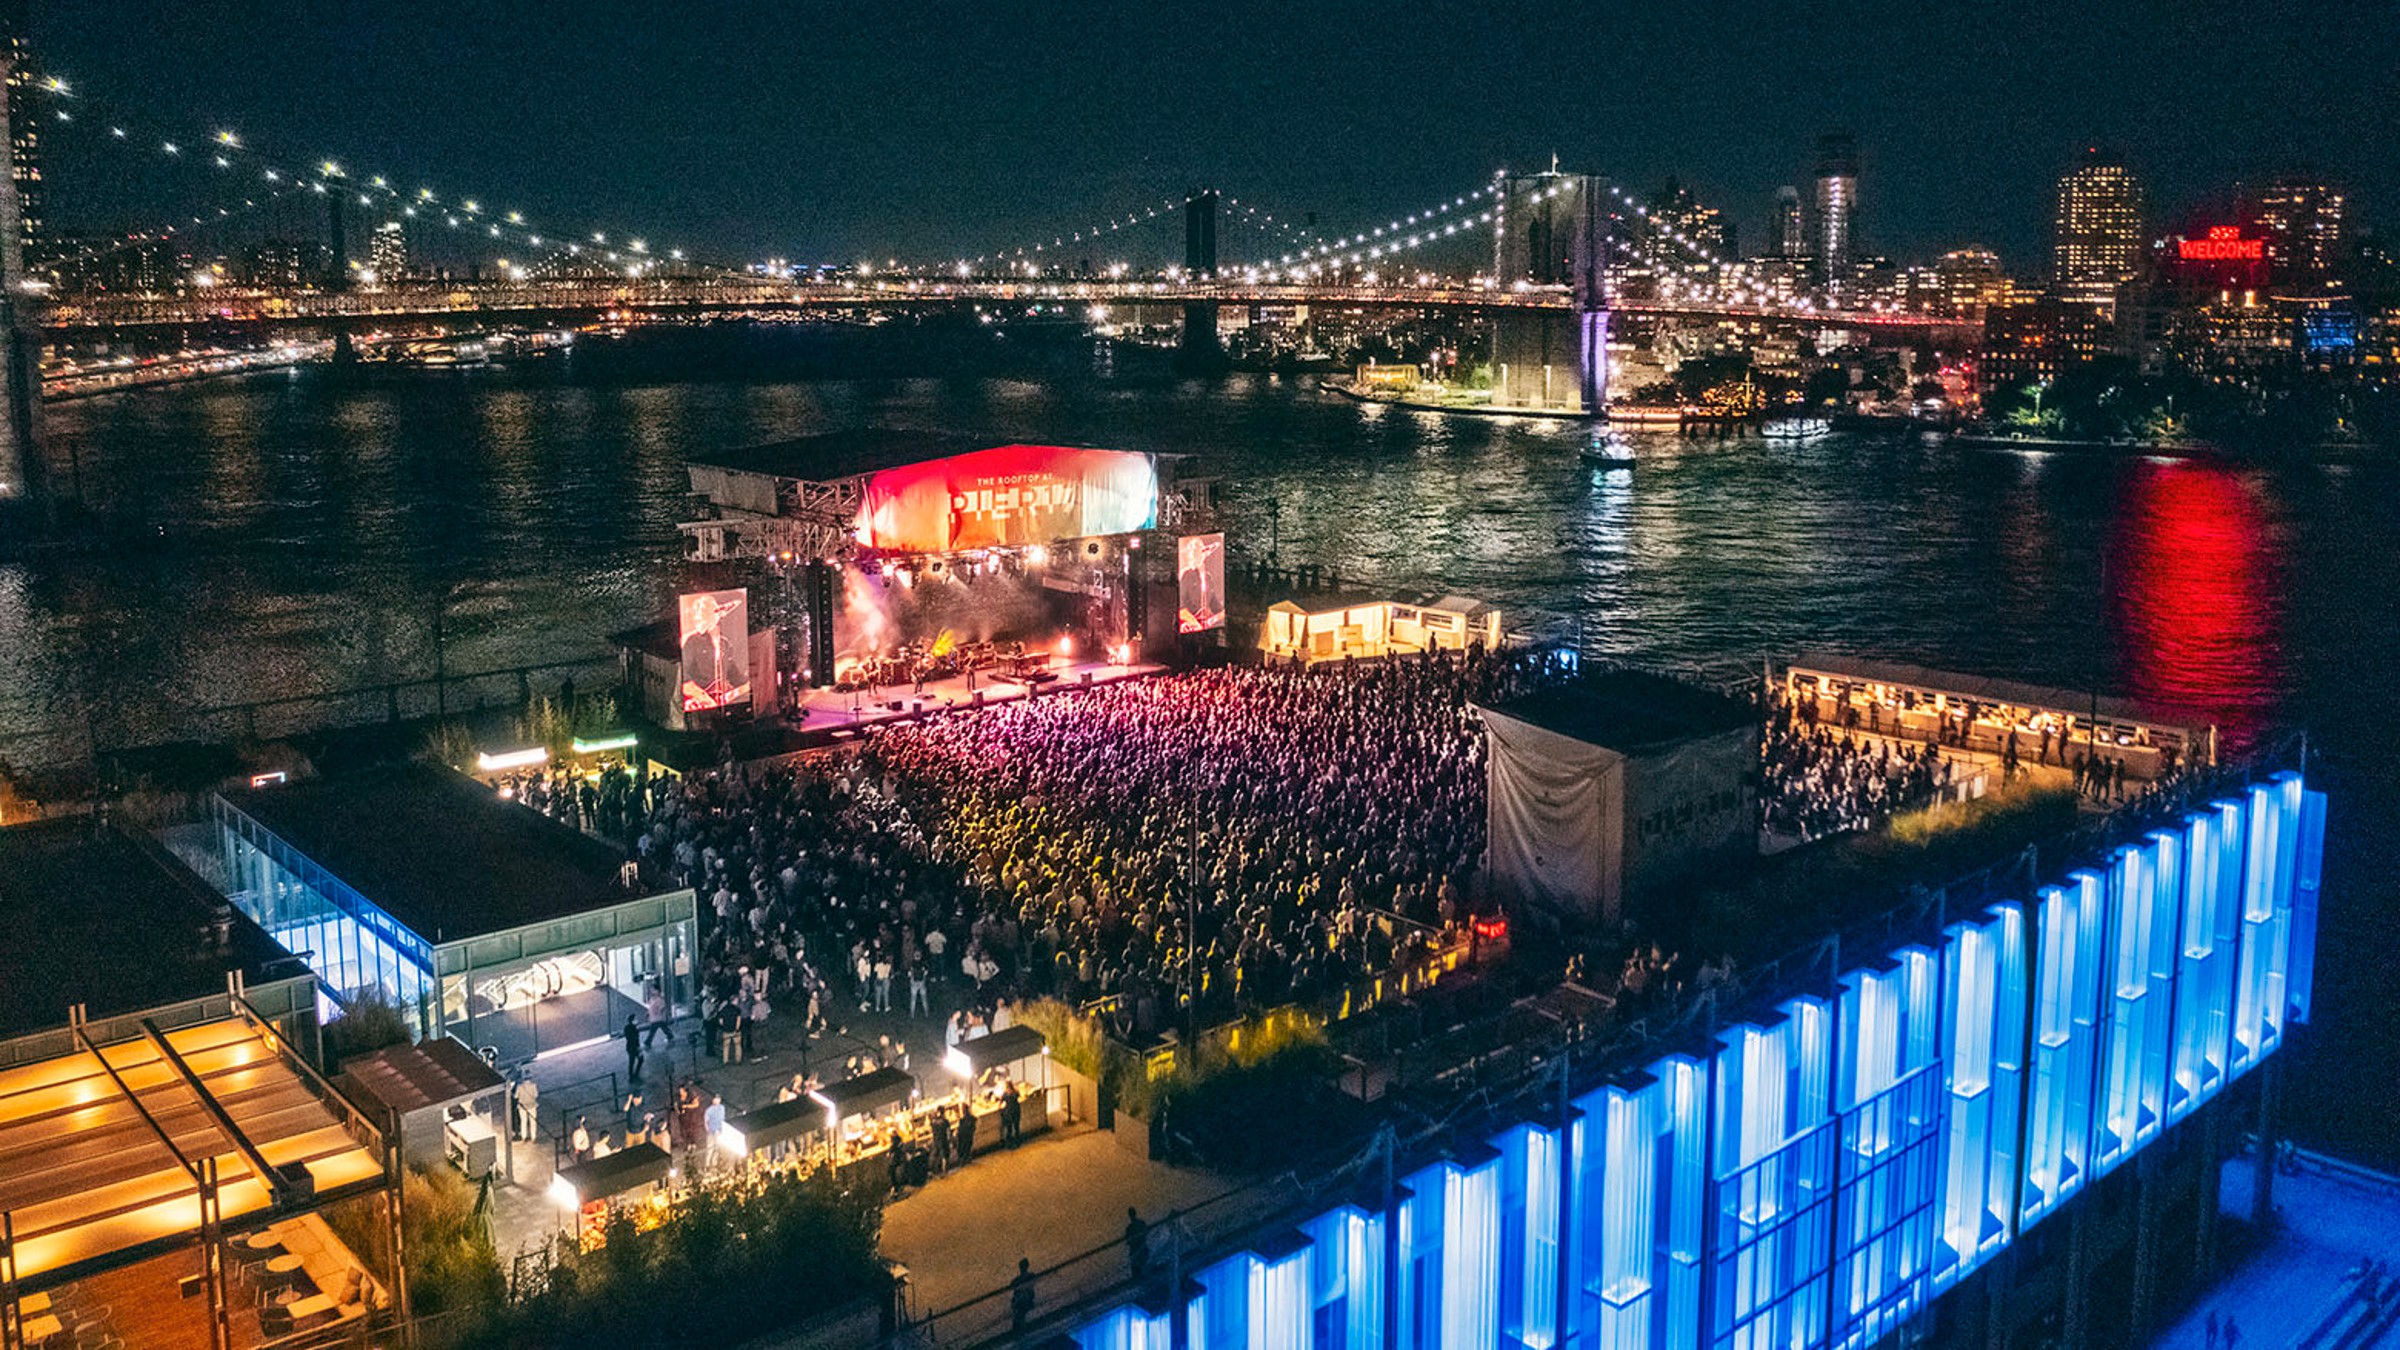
<point>1011,494</point>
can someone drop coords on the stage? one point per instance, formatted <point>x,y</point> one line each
<point>835,716</point>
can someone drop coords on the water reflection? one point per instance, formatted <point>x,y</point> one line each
<point>2196,595</point>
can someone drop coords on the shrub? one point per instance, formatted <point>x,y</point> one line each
<point>727,1267</point>
<point>452,744</point>
<point>369,1022</point>
<point>451,1265</point>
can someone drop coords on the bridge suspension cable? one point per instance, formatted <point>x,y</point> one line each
<point>1732,287</point>
<point>1164,209</point>
<point>1252,213</point>
<point>1410,232</point>
<point>227,151</point>
<point>1138,216</point>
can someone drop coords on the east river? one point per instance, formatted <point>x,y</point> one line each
<point>294,533</point>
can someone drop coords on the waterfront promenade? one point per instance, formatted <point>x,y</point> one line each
<point>2299,1281</point>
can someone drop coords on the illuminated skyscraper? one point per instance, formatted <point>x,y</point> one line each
<point>2302,220</point>
<point>1837,201</point>
<point>1791,224</point>
<point>1675,211</point>
<point>24,126</point>
<point>2096,248</point>
<point>387,252</point>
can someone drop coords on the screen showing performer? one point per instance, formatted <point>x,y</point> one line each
<point>716,649</point>
<point>1200,583</point>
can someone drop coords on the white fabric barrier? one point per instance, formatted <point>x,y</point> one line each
<point>1557,817</point>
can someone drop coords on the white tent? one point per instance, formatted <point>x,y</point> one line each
<point>1613,787</point>
<point>1557,815</point>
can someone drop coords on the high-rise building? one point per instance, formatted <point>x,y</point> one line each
<point>2096,245</point>
<point>1967,281</point>
<point>2040,340</point>
<point>2302,220</point>
<point>387,252</point>
<point>24,127</point>
<point>1791,224</point>
<point>284,264</point>
<point>1675,211</point>
<point>1837,201</point>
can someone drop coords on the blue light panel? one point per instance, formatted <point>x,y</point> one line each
<point>1771,1224</point>
<point>1890,1106</point>
<point>1984,1062</point>
<point>1824,1173</point>
<point>2071,955</point>
<point>1530,1235</point>
<point>1279,1302</point>
<point>1345,1279</point>
<point>2300,991</point>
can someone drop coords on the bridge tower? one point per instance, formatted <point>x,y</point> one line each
<point>1201,347</point>
<point>337,235</point>
<point>24,475</point>
<point>1551,230</point>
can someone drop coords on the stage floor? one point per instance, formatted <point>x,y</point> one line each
<point>838,715</point>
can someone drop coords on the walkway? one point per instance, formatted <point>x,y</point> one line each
<point>2330,1219</point>
<point>1057,1202</point>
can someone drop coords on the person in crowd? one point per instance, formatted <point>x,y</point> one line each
<point>941,1139</point>
<point>1817,780</point>
<point>660,1024</point>
<point>527,1100</point>
<point>1137,1243</point>
<point>712,1122</point>
<point>1020,1295</point>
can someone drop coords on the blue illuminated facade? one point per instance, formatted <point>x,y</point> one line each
<point>1821,1175</point>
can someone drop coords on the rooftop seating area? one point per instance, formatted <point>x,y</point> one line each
<point>108,1155</point>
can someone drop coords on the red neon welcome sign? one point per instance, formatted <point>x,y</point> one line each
<point>2223,244</point>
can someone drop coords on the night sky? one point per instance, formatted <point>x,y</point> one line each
<point>829,131</point>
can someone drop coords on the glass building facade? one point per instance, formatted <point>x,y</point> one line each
<point>522,990</point>
<point>356,949</point>
<point>1823,1174</point>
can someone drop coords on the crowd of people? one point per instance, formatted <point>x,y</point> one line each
<point>1817,780</point>
<point>614,804</point>
<point>1327,819</point>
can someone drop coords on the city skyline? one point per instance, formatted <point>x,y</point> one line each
<point>607,120</point>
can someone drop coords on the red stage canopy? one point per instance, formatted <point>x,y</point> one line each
<point>1008,497</point>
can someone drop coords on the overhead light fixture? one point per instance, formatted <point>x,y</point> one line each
<point>512,759</point>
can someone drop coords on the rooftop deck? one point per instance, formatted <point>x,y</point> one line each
<point>102,1152</point>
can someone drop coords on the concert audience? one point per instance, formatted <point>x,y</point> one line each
<point>1047,846</point>
<point>1819,780</point>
